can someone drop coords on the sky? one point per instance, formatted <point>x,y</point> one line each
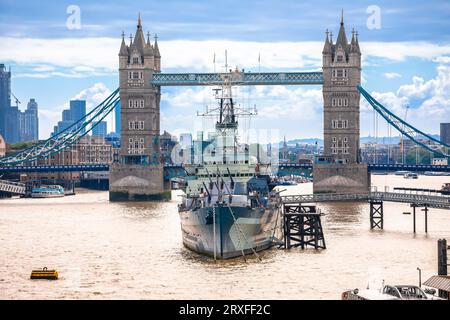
<point>57,55</point>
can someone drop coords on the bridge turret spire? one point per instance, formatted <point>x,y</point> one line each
<point>327,45</point>
<point>123,47</point>
<point>139,38</point>
<point>356,42</point>
<point>342,38</point>
<point>157,54</point>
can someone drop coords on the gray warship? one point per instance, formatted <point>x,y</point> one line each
<point>229,206</point>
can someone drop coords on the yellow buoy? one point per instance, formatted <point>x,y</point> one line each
<point>44,274</point>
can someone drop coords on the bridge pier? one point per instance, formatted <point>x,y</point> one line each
<point>302,227</point>
<point>376,214</point>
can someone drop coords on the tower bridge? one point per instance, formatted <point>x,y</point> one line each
<point>138,175</point>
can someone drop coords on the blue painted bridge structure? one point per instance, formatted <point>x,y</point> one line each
<point>296,168</point>
<point>237,78</point>
<point>171,171</point>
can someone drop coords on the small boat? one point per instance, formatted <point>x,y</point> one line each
<point>397,292</point>
<point>401,172</point>
<point>445,188</point>
<point>380,173</point>
<point>44,274</point>
<point>410,175</point>
<point>50,191</point>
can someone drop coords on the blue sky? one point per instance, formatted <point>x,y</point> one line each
<point>405,61</point>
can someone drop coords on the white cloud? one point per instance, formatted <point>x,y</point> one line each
<point>400,51</point>
<point>43,68</point>
<point>300,109</point>
<point>392,75</point>
<point>93,95</point>
<point>79,57</point>
<point>429,100</point>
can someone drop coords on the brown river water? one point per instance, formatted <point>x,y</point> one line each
<point>106,250</point>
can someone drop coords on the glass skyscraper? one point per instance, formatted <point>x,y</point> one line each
<point>100,129</point>
<point>5,98</point>
<point>76,111</point>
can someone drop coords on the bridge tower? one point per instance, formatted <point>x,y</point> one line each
<point>138,175</point>
<point>339,169</point>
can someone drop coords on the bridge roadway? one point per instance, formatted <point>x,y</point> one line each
<point>418,199</point>
<point>286,166</point>
<point>380,167</point>
<point>65,168</point>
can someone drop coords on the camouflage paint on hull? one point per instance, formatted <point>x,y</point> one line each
<point>254,228</point>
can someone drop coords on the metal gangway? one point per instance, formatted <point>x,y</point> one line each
<point>376,200</point>
<point>12,187</point>
<point>418,199</point>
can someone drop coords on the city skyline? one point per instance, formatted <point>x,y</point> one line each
<point>403,63</point>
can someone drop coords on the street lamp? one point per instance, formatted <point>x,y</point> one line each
<point>420,277</point>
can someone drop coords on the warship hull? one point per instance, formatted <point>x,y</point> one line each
<point>234,231</point>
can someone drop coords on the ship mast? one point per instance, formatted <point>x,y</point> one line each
<point>226,115</point>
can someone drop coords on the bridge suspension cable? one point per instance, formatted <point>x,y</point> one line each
<point>67,137</point>
<point>424,140</point>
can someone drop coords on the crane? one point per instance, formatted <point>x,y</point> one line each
<point>17,100</point>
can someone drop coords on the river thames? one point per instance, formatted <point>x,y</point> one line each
<point>106,250</point>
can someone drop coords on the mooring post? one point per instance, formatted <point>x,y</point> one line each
<point>442,257</point>
<point>426,219</point>
<point>287,238</point>
<point>442,263</point>
<point>414,217</point>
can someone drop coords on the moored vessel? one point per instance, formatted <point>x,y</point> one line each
<point>229,207</point>
<point>396,292</point>
<point>47,191</point>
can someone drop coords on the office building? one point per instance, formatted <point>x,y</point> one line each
<point>5,97</point>
<point>99,129</point>
<point>445,133</point>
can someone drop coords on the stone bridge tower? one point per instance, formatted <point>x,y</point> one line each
<point>138,175</point>
<point>339,169</point>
